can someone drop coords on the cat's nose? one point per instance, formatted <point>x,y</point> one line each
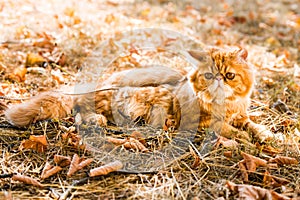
<point>218,78</point>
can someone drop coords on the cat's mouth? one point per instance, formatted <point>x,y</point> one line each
<point>220,92</point>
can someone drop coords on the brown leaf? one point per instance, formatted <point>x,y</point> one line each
<point>283,160</point>
<point>18,74</point>
<point>50,170</point>
<point>62,160</point>
<point>36,142</point>
<point>105,169</point>
<point>27,180</point>
<point>139,136</point>
<point>78,164</point>
<point>134,144</point>
<point>268,149</point>
<point>197,159</point>
<point>44,43</point>
<point>85,163</point>
<point>128,143</point>
<point>34,59</point>
<point>267,180</point>
<point>253,192</point>
<point>228,154</point>
<point>61,59</point>
<point>73,139</point>
<point>274,181</point>
<point>116,141</point>
<point>244,171</point>
<point>251,162</point>
<point>225,142</point>
<point>74,165</point>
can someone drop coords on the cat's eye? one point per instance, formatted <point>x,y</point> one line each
<point>208,75</point>
<point>230,75</point>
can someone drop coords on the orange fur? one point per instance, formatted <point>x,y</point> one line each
<point>218,97</point>
<point>46,105</point>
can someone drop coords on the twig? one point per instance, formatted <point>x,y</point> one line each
<point>67,192</point>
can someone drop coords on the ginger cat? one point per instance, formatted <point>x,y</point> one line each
<point>216,95</point>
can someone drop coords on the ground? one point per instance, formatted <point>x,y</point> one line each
<point>49,44</point>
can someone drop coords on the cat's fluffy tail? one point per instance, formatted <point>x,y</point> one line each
<point>44,106</point>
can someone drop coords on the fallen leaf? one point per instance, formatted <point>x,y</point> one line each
<point>252,162</point>
<point>251,192</point>
<point>283,160</point>
<point>27,180</point>
<point>135,145</point>
<point>274,181</point>
<point>128,143</point>
<point>85,163</point>
<point>62,161</point>
<point>50,170</point>
<point>243,169</point>
<point>228,154</point>
<point>18,74</point>
<point>116,141</point>
<point>78,164</point>
<point>225,142</point>
<point>139,136</point>
<point>105,169</point>
<point>73,165</point>
<point>281,106</point>
<point>35,59</point>
<point>268,149</point>
<point>36,142</point>
<point>197,159</point>
<point>61,59</point>
<point>73,139</point>
<point>44,43</point>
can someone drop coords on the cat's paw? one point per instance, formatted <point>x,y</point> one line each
<point>239,120</point>
<point>264,135</point>
<point>260,132</point>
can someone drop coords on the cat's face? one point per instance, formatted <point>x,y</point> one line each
<point>222,75</point>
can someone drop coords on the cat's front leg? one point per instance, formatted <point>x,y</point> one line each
<point>259,131</point>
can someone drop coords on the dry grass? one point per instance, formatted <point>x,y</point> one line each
<point>81,30</point>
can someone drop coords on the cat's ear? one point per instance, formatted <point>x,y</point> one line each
<point>243,53</point>
<point>201,56</point>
